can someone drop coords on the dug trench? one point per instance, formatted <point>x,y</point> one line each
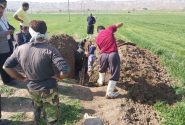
<point>143,82</point>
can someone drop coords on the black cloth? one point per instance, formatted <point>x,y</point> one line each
<point>111,61</point>
<point>4,76</point>
<point>79,54</point>
<point>37,61</point>
<point>90,29</point>
<point>22,38</point>
<point>10,42</point>
<point>91,20</point>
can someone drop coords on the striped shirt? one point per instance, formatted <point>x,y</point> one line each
<point>4,46</point>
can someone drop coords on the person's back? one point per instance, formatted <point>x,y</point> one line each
<point>37,56</point>
<point>38,59</point>
<point>106,40</point>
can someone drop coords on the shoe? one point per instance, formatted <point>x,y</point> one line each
<point>112,96</point>
<point>111,90</point>
<point>100,80</point>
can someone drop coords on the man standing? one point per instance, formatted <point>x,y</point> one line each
<point>4,49</point>
<point>37,59</point>
<point>8,26</point>
<point>21,15</point>
<point>109,57</point>
<point>90,25</point>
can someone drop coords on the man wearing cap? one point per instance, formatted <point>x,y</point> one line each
<point>37,59</point>
<point>109,57</point>
<point>21,15</point>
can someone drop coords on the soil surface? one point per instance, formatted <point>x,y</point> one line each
<point>67,46</point>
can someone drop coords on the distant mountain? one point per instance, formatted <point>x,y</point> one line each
<point>102,5</point>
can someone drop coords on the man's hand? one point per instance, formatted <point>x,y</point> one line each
<point>60,76</point>
<point>118,25</point>
<point>9,32</point>
<point>14,74</point>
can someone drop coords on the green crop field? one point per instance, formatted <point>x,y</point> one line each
<point>161,32</point>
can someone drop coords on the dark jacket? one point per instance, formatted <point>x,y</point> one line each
<point>91,20</point>
<point>22,38</point>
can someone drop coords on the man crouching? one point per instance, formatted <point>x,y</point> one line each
<point>37,59</point>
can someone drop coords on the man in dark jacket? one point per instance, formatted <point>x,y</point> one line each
<point>37,59</point>
<point>23,36</point>
<point>90,25</point>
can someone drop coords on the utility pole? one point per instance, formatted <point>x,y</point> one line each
<point>69,12</point>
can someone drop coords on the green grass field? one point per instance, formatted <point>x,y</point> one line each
<point>161,32</point>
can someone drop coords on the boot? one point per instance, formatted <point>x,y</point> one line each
<point>110,90</point>
<point>101,78</point>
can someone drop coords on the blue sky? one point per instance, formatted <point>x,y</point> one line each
<point>62,0</point>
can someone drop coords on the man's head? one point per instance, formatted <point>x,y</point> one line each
<point>99,28</point>
<point>91,14</point>
<point>4,2</point>
<point>25,6</point>
<point>38,26</point>
<point>1,9</point>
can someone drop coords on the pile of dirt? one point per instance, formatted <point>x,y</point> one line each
<point>67,46</point>
<point>141,75</point>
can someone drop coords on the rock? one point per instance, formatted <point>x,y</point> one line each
<point>90,120</point>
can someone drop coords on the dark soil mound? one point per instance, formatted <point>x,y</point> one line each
<point>67,46</point>
<point>141,75</point>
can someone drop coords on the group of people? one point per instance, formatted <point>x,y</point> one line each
<point>37,58</point>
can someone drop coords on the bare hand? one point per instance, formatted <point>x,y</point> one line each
<point>9,32</point>
<point>86,54</point>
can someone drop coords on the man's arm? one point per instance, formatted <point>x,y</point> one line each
<point>5,33</point>
<point>14,74</point>
<point>11,27</point>
<point>15,16</point>
<point>61,65</point>
<point>118,25</point>
<point>9,65</point>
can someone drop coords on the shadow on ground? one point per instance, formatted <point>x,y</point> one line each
<point>9,122</point>
<point>16,104</point>
<point>79,92</point>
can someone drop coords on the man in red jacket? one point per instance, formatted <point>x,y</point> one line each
<point>109,57</point>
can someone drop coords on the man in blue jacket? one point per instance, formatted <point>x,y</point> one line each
<point>90,25</point>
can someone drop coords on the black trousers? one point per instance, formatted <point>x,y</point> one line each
<point>4,76</point>
<point>90,29</point>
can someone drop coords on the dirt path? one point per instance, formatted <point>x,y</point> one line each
<point>120,111</point>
